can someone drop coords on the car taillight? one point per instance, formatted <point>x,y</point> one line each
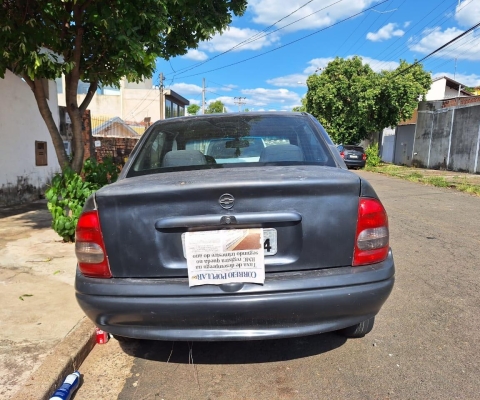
<point>342,154</point>
<point>90,248</point>
<point>371,240</point>
<point>364,156</point>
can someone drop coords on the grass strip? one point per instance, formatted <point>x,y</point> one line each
<point>459,183</point>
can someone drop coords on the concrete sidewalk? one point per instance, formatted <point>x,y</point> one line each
<point>38,309</point>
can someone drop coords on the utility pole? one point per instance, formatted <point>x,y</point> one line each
<point>203,97</point>
<point>162,78</point>
<point>240,101</point>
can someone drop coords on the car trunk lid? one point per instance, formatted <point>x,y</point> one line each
<point>312,209</point>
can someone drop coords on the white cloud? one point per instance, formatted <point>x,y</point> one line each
<point>466,48</point>
<point>376,65</point>
<point>471,80</point>
<point>186,89</point>
<point>233,36</point>
<point>385,32</point>
<point>194,101</point>
<point>294,80</point>
<point>267,12</point>
<point>196,55</point>
<point>223,88</point>
<point>467,13</point>
<point>379,65</point>
<point>261,97</point>
<point>317,64</point>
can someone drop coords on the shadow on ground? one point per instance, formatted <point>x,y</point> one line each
<point>247,352</point>
<point>35,214</point>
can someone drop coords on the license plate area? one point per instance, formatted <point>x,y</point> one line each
<point>270,247</point>
<point>224,256</point>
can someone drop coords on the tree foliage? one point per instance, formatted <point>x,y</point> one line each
<point>215,107</point>
<point>193,109</point>
<point>352,101</point>
<point>99,42</point>
<point>301,108</point>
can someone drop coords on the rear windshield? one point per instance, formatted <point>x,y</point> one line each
<point>230,141</point>
<point>356,148</point>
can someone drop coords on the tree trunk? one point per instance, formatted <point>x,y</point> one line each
<point>39,93</point>
<point>71,83</point>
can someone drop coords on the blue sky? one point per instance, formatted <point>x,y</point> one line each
<point>382,33</point>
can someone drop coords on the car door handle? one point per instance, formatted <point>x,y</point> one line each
<point>232,219</point>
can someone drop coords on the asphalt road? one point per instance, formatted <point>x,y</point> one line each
<point>425,344</point>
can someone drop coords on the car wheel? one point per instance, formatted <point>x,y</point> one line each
<point>358,330</point>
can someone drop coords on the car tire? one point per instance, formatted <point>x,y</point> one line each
<point>358,330</point>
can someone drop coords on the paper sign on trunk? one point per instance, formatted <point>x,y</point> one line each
<point>226,256</point>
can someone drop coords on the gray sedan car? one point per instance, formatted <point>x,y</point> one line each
<point>274,238</point>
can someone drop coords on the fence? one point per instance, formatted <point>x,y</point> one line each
<point>447,135</point>
<point>113,137</point>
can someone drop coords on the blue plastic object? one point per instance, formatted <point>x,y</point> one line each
<point>69,385</point>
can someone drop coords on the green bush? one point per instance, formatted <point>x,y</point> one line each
<point>100,174</point>
<point>69,192</point>
<point>373,159</point>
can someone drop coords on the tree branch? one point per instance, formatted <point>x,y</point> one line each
<point>30,83</point>
<point>45,112</point>
<point>88,98</point>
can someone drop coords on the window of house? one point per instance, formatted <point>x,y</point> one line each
<point>168,109</point>
<point>40,153</point>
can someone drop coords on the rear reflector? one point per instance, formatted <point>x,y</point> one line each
<point>372,238</point>
<point>90,248</point>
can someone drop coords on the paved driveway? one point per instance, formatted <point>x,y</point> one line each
<point>37,304</point>
<point>425,344</point>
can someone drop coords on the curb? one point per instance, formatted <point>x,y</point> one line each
<point>66,357</point>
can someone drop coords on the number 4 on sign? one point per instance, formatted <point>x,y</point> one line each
<point>266,245</point>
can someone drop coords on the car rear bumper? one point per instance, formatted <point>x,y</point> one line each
<point>288,304</point>
<point>355,163</point>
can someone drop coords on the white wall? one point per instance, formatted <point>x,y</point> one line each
<point>437,90</point>
<point>20,126</point>
<point>131,102</point>
<point>388,144</point>
<point>449,93</point>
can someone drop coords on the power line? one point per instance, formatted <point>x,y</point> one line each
<point>438,49</point>
<point>249,40</point>
<point>135,108</point>
<point>395,50</point>
<point>216,93</point>
<point>287,44</point>
<point>440,18</point>
<point>298,20</point>
<point>366,30</point>
<point>452,52</point>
